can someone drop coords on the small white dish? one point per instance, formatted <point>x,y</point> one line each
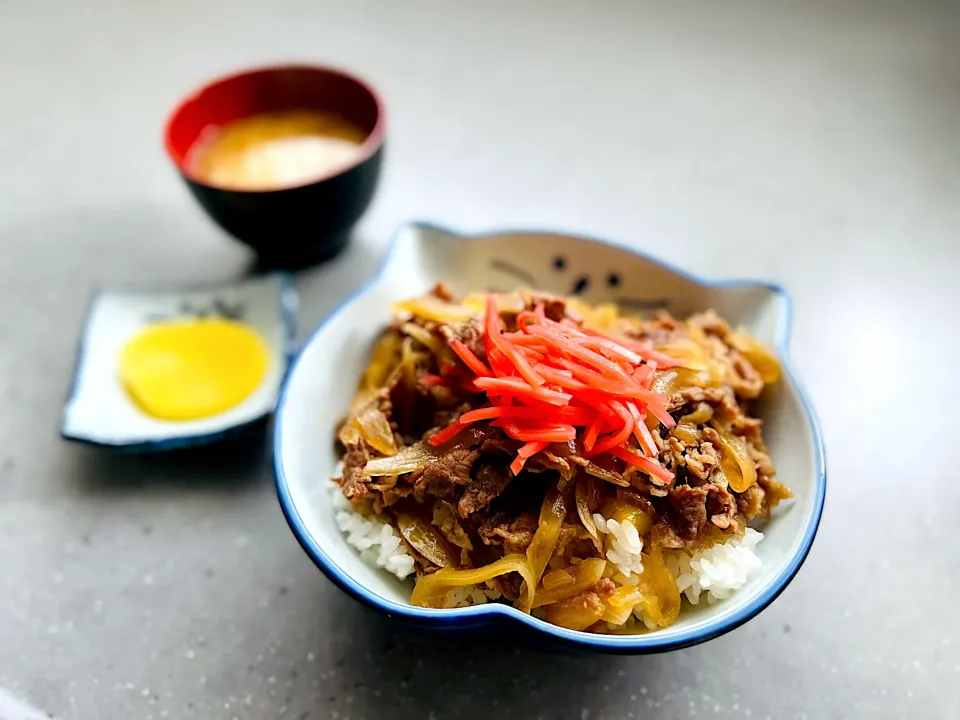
<point>100,412</point>
<point>323,378</point>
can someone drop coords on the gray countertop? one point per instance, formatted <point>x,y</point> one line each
<point>815,144</point>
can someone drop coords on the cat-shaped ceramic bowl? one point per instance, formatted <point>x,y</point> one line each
<point>322,381</point>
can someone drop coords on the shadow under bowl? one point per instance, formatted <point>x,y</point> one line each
<point>292,226</point>
<point>320,386</point>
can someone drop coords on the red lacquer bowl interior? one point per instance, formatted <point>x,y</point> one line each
<point>271,89</point>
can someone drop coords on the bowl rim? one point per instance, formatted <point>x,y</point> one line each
<point>287,300</point>
<point>481,614</point>
<point>370,146</point>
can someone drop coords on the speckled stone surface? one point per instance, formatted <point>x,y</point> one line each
<point>815,144</point>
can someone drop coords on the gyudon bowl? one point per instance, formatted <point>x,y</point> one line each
<point>320,393</point>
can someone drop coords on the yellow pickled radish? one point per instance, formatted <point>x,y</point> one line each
<point>191,369</point>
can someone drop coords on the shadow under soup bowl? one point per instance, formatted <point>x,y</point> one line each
<point>285,159</point>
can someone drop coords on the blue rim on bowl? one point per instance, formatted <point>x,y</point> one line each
<point>468,617</point>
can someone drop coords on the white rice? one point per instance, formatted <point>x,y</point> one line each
<point>623,547</point>
<point>717,571</point>
<point>380,546</point>
<point>467,596</point>
<point>378,543</point>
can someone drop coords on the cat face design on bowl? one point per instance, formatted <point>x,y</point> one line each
<point>578,283</point>
<point>590,270</point>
